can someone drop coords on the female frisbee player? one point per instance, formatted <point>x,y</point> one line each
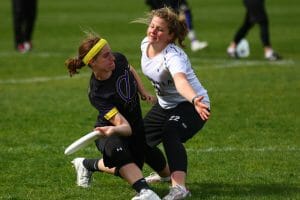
<point>183,104</point>
<point>113,91</point>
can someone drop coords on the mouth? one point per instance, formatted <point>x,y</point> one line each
<point>152,37</point>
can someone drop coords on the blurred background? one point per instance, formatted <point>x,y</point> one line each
<point>249,149</point>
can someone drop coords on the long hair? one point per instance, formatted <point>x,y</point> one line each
<point>73,64</point>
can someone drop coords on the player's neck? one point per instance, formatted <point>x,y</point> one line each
<point>103,75</point>
<point>155,49</point>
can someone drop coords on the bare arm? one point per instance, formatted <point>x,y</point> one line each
<point>185,89</point>
<point>145,95</point>
<point>120,126</point>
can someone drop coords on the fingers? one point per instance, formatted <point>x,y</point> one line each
<point>149,99</point>
<point>103,130</point>
<point>204,114</point>
<point>200,98</point>
<point>203,111</point>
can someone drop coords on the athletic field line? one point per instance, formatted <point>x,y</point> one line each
<point>217,64</point>
<point>236,149</point>
<point>41,79</point>
<point>225,63</point>
<point>230,149</point>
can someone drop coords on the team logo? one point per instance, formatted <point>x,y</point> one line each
<point>124,88</point>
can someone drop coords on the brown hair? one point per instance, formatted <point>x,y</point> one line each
<point>176,25</point>
<point>73,64</point>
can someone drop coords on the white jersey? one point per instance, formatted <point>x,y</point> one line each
<point>161,69</point>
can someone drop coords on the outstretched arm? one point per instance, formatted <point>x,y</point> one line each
<point>185,89</point>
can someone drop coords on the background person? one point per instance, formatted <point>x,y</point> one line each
<point>183,9</point>
<point>255,14</point>
<point>113,91</point>
<point>183,103</point>
<point>24,16</point>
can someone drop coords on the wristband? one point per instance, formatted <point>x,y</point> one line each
<point>193,99</point>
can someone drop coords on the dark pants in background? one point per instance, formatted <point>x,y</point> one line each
<point>24,15</point>
<point>255,14</point>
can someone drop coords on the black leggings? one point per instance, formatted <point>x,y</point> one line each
<point>24,15</point>
<point>255,14</point>
<point>118,151</point>
<point>172,127</point>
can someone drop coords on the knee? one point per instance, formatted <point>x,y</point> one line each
<point>117,153</point>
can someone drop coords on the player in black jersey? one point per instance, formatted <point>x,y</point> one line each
<point>113,91</point>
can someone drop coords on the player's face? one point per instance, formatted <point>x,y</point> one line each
<point>158,31</point>
<point>105,59</point>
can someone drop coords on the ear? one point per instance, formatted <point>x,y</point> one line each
<point>171,37</point>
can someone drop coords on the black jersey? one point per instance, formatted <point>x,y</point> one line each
<point>116,94</point>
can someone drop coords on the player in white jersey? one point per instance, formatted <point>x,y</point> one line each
<point>160,70</point>
<point>183,104</point>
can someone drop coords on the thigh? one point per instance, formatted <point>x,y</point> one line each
<point>137,146</point>
<point>30,7</point>
<point>154,122</point>
<point>109,146</point>
<point>256,10</point>
<point>132,150</point>
<point>186,120</point>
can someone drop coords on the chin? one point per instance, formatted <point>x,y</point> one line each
<point>151,39</point>
<point>113,67</point>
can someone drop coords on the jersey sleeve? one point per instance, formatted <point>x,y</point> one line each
<point>105,108</point>
<point>176,63</point>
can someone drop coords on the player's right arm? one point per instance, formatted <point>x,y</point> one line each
<point>119,126</point>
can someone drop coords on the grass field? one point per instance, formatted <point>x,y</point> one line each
<point>249,149</point>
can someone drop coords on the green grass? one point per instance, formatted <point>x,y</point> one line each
<point>249,149</point>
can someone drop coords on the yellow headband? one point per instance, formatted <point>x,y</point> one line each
<point>94,50</point>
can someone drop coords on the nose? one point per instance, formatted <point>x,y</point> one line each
<point>111,56</point>
<point>154,30</point>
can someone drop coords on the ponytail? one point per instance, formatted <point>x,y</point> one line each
<point>73,64</point>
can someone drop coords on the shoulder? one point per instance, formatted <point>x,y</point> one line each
<point>144,43</point>
<point>119,56</point>
<point>173,51</point>
<point>120,59</point>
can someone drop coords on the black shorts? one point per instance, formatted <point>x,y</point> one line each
<point>183,117</point>
<point>133,147</point>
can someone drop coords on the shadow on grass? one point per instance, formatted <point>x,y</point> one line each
<point>208,190</point>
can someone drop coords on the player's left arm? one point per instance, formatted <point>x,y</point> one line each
<point>186,90</point>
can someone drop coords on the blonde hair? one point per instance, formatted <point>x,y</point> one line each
<point>176,25</point>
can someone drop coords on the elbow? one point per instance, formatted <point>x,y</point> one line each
<point>127,131</point>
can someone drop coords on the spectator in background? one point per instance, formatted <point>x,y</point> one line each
<point>255,14</point>
<point>182,8</point>
<point>24,15</point>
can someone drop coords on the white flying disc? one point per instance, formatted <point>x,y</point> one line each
<point>82,142</point>
<point>243,49</point>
